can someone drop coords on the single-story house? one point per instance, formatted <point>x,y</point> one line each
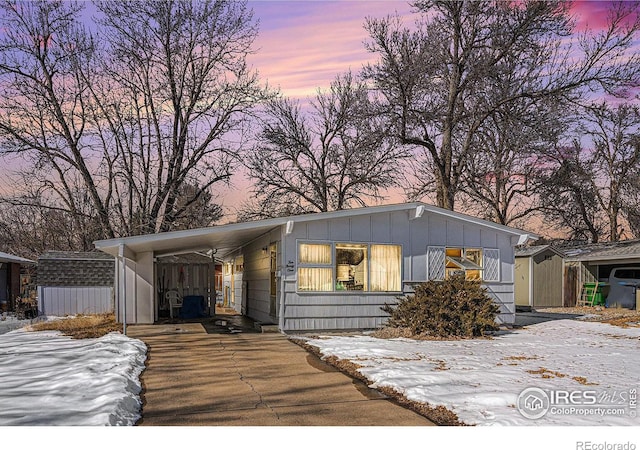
<point>11,281</point>
<point>591,263</point>
<point>325,271</point>
<point>538,277</point>
<point>72,283</point>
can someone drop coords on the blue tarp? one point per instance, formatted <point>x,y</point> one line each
<point>193,307</point>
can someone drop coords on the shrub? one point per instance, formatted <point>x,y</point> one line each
<point>452,308</point>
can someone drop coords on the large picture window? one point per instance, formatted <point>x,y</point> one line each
<point>354,267</point>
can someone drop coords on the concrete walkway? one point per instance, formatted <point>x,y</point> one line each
<point>196,378</point>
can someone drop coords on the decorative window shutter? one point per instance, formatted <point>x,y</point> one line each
<point>491,264</point>
<point>435,263</point>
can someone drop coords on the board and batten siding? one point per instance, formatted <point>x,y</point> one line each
<point>339,310</point>
<point>257,277</point>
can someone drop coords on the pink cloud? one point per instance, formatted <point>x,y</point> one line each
<point>592,15</point>
<point>303,45</point>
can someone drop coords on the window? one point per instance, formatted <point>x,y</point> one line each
<point>315,269</point>
<point>386,261</point>
<point>351,267</point>
<point>239,264</point>
<point>473,263</point>
<point>357,267</point>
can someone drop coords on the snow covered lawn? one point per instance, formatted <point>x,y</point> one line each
<point>480,380</point>
<point>50,379</point>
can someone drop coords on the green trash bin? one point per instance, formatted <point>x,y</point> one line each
<point>598,298</point>
<point>594,294</point>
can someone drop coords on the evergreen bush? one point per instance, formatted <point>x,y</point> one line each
<point>455,307</point>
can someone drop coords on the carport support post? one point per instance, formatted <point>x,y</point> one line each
<point>123,297</point>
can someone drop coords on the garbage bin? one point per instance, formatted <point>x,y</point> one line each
<point>593,294</point>
<point>598,298</point>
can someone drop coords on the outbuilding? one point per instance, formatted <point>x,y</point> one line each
<point>593,263</point>
<point>538,277</point>
<point>72,283</point>
<point>325,271</point>
<point>12,279</point>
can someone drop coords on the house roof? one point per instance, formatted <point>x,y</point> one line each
<point>75,256</point>
<point>534,250</point>
<point>604,252</point>
<point>225,239</point>
<point>7,258</point>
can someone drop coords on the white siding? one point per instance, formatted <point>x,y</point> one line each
<point>63,301</point>
<point>339,310</point>
<point>257,275</point>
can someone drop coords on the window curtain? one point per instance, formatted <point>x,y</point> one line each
<point>315,279</point>
<point>385,273</point>
<point>314,254</point>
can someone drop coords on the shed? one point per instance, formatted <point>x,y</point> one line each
<point>325,271</point>
<point>538,277</point>
<point>72,283</point>
<point>11,267</point>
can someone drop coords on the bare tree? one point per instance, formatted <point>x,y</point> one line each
<point>567,195</point>
<point>143,118</point>
<point>332,158</point>
<point>598,176</point>
<point>433,81</point>
<point>183,85</point>
<point>43,106</point>
<point>500,180</point>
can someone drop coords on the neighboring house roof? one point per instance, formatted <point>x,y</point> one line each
<point>603,252</point>
<point>534,250</point>
<point>227,238</point>
<point>7,258</point>
<point>75,256</point>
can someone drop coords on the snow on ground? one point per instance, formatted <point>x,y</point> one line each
<point>10,322</point>
<point>480,380</point>
<point>50,379</point>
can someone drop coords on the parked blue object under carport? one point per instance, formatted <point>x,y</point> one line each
<point>193,307</point>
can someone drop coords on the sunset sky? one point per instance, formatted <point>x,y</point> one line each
<point>303,45</point>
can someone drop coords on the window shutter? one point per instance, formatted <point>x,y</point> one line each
<point>435,263</point>
<point>491,264</point>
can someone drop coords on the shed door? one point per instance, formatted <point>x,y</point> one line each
<point>547,286</point>
<point>521,284</point>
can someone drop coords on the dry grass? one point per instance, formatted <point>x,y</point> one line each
<point>82,327</point>
<point>520,358</point>
<point>546,373</point>
<point>583,380</point>
<point>401,332</point>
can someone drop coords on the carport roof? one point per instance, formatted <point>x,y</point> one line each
<point>225,239</point>
<point>7,258</point>
<point>606,252</point>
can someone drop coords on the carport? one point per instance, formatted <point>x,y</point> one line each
<point>591,263</point>
<point>147,266</point>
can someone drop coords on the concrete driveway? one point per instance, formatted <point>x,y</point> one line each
<point>195,377</point>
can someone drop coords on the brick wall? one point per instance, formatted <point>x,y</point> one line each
<point>80,271</point>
